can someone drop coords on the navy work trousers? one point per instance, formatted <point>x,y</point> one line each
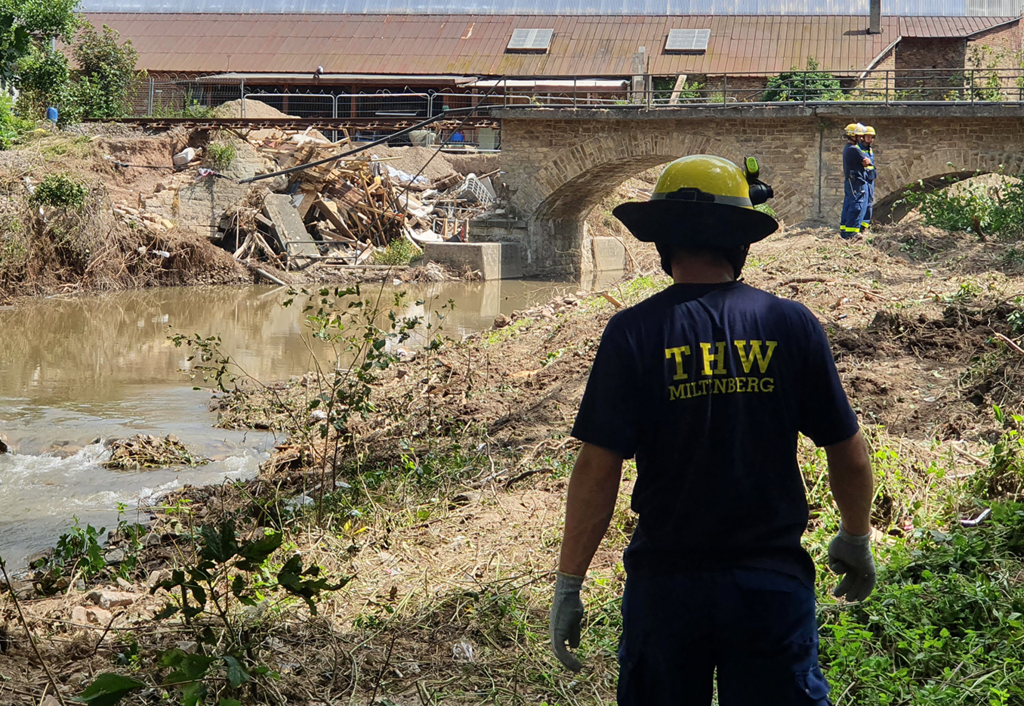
<point>869,205</point>
<point>756,626</point>
<point>855,198</point>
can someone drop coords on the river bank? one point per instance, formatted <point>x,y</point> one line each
<point>444,503</point>
<point>101,207</point>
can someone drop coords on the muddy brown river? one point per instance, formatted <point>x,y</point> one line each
<point>75,371</point>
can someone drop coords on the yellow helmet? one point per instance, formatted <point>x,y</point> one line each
<point>702,201</point>
<point>851,129</point>
<point>868,130</point>
<point>718,181</point>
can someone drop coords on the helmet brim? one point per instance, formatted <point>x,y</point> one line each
<point>687,223</point>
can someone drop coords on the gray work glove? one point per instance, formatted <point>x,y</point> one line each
<point>850,554</point>
<point>566,617</point>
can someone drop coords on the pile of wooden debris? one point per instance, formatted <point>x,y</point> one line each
<point>341,213</point>
<point>344,211</point>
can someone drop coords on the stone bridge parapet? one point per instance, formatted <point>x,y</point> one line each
<point>560,162</point>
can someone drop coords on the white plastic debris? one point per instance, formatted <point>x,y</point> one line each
<point>462,651</point>
<point>184,157</point>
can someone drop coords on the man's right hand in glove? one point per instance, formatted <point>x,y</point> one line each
<point>850,556</point>
<point>566,618</point>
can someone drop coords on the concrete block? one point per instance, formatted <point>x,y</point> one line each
<point>288,226</point>
<point>511,261</point>
<point>491,260</point>
<point>609,254</point>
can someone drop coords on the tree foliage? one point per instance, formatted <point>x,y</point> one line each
<point>21,21</point>
<point>100,87</point>
<point>809,84</point>
<point>102,84</point>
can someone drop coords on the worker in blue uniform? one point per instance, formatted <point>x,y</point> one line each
<point>708,384</point>
<point>855,191</point>
<point>866,147</point>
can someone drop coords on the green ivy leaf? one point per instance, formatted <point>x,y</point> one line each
<point>237,675</point>
<point>193,694</point>
<point>108,689</point>
<point>258,551</point>
<point>219,544</point>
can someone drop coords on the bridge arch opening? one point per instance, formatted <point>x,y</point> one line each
<point>560,224</point>
<point>893,207</point>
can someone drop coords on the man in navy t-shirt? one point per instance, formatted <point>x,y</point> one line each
<point>708,384</point>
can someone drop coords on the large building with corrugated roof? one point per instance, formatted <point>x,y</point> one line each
<point>345,47</point>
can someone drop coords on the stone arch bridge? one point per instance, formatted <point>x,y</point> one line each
<point>559,163</point>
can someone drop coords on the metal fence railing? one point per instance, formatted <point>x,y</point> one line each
<point>372,115</point>
<point>196,95</point>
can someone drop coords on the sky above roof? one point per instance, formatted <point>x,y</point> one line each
<point>936,8</point>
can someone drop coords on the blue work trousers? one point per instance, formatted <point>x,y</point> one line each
<point>869,205</point>
<point>756,627</point>
<point>855,196</point>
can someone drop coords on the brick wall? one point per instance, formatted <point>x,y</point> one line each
<point>557,170</point>
<point>918,58</point>
<point>993,59</point>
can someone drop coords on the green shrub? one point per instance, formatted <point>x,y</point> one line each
<point>398,252</point>
<point>60,191</point>
<point>11,126</point>
<point>809,84</point>
<point>972,207</point>
<point>102,86</point>
<point>944,626</point>
<point>220,154</point>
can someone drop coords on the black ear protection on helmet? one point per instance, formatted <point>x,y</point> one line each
<point>759,191</point>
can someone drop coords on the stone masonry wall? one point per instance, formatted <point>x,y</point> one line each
<point>557,170</point>
<point>918,58</point>
<point>999,48</point>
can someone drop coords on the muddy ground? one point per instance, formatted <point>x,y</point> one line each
<point>447,508</point>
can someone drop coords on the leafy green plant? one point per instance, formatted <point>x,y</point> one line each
<point>102,85</point>
<point>12,127</point>
<point>972,207</point>
<point>131,535</point>
<point>362,349</point>
<point>60,191</point>
<point>23,20</point>
<point>226,573</point>
<point>220,154</point>
<point>944,626</point>
<point>664,87</point>
<point>191,107</point>
<point>1004,476</point>
<point>810,84</point>
<point>398,252</point>
<point>80,546</point>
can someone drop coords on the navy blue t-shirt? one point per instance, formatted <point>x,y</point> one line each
<point>708,386</point>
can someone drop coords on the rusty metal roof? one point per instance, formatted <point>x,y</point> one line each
<point>475,44</point>
<point>949,26</point>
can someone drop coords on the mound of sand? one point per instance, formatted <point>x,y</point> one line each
<point>253,109</point>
